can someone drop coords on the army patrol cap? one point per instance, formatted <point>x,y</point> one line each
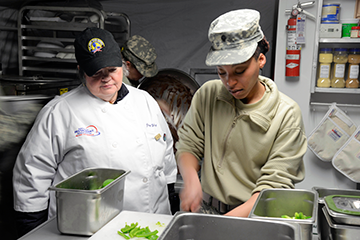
<point>96,48</point>
<point>234,37</point>
<point>142,54</point>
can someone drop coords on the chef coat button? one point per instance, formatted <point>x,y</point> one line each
<point>145,179</point>
<point>103,110</point>
<point>115,145</point>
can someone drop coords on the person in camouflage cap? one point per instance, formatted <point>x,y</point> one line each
<point>240,131</point>
<point>234,37</point>
<point>139,59</point>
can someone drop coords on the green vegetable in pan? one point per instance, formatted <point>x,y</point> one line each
<point>106,182</point>
<point>298,215</point>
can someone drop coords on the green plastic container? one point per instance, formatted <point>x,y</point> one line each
<point>344,204</point>
<point>346,26</point>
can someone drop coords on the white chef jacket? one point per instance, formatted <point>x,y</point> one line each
<point>78,130</point>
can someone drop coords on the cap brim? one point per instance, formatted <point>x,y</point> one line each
<point>147,70</point>
<point>95,64</point>
<point>230,56</point>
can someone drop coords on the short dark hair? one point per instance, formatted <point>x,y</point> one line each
<point>263,47</point>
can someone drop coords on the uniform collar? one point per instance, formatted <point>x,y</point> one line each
<point>261,112</point>
<point>121,93</point>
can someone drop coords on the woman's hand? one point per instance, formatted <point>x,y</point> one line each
<point>191,195</point>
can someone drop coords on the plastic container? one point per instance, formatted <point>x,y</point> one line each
<point>344,209</point>
<point>340,59</point>
<point>325,60</point>
<point>346,25</point>
<point>353,70</point>
<point>330,13</point>
<point>355,32</point>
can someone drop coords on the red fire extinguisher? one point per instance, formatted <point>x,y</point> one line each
<point>293,50</point>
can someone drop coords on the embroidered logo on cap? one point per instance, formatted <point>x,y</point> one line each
<point>95,45</point>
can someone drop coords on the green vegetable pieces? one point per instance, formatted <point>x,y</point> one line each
<point>106,182</point>
<point>128,228</point>
<point>298,215</point>
<point>133,230</point>
<point>123,235</point>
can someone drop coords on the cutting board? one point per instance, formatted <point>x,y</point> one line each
<point>153,221</point>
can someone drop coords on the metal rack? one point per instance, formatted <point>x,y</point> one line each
<point>53,75</point>
<point>31,33</point>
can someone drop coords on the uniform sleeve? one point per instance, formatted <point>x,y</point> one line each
<point>191,133</point>
<point>36,164</point>
<point>285,166</point>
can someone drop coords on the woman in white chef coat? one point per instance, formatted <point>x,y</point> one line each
<point>101,123</point>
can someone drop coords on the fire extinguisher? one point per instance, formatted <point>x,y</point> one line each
<point>293,50</point>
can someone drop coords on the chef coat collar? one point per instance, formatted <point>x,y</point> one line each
<point>121,93</point>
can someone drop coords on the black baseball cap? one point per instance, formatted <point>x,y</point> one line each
<point>96,48</point>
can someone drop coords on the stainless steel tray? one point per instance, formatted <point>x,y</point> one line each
<point>185,225</point>
<point>273,203</point>
<point>322,193</point>
<point>342,218</point>
<point>83,205</point>
<point>335,231</point>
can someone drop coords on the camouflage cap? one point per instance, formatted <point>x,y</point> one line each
<point>142,54</point>
<point>234,37</point>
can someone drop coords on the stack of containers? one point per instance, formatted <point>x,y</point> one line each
<point>334,224</point>
<point>336,65</point>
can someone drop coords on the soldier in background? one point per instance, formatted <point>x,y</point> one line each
<point>139,60</point>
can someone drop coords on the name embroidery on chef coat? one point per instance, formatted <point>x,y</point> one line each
<point>90,130</point>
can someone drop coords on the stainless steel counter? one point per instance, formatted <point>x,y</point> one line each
<point>49,231</point>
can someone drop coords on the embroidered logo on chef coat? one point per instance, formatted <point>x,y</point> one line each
<point>90,130</point>
<point>95,45</point>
